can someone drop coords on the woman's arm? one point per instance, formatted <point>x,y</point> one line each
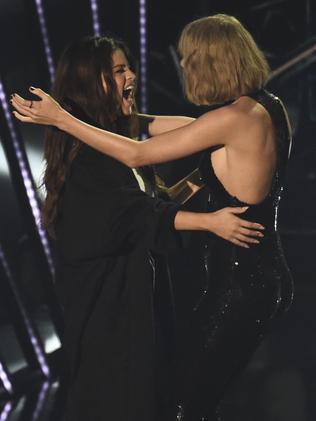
<point>213,128</point>
<point>158,124</point>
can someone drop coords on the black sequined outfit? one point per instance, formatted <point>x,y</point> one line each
<point>246,290</point>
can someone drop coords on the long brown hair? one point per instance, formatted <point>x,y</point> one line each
<point>79,87</point>
<point>221,60</point>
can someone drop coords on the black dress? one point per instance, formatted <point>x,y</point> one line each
<point>246,290</point>
<point>105,281</point>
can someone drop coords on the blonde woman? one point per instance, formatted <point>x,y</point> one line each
<point>246,143</point>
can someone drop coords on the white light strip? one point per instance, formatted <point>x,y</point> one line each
<point>143,55</point>
<point>48,51</point>
<point>5,380</point>
<point>6,411</point>
<point>27,179</point>
<point>95,17</point>
<point>4,170</point>
<point>35,343</point>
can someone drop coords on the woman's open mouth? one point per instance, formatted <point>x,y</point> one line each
<point>128,94</point>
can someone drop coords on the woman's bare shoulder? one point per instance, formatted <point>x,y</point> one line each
<point>240,121</point>
<point>250,110</point>
<point>253,124</point>
<point>227,114</point>
<point>233,118</point>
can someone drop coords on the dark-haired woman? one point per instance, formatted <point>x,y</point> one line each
<point>104,227</point>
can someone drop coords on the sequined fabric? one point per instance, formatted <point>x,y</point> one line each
<point>245,293</point>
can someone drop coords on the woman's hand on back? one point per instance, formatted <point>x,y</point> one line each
<point>226,224</point>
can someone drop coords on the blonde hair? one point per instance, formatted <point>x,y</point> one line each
<point>221,60</point>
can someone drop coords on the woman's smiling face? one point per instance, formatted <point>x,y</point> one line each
<point>124,79</point>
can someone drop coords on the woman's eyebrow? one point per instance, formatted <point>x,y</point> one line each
<point>119,65</point>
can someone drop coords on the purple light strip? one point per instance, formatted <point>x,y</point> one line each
<point>40,402</point>
<point>6,411</point>
<point>35,343</point>
<point>30,191</point>
<point>5,380</point>
<point>143,55</point>
<point>48,51</point>
<point>95,17</point>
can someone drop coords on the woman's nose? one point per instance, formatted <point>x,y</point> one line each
<point>131,75</point>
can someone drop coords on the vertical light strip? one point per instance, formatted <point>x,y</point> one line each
<point>95,17</point>
<point>35,343</point>
<point>48,51</point>
<point>5,379</point>
<point>6,411</point>
<point>41,401</point>
<point>143,55</point>
<point>27,179</point>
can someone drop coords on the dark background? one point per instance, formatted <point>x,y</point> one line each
<point>280,381</point>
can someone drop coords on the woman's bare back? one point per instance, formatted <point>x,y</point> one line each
<point>246,165</point>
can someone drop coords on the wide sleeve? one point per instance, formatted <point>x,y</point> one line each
<point>141,218</point>
<point>104,213</point>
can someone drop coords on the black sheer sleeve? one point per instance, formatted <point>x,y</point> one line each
<point>104,212</point>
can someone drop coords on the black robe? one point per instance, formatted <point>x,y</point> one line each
<point>105,229</point>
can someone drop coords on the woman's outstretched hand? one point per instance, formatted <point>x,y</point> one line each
<point>226,224</point>
<point>43,111</point>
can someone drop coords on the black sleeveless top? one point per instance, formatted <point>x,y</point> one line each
<point>244,292</point>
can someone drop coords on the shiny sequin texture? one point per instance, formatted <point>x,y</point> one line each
<point>247,290</point>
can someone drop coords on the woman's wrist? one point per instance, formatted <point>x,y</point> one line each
<point>193,221</point>
<point>61,119</point>
<point>206,221</point>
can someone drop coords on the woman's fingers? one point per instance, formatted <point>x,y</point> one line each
<point>38,92</point>
<point>251,229</point>
<point>244,223</point>
<point>239,210</point>
<point>21,101</point>
<point>239,243</point>
<point>22,118</point>
<point>246,239</point>
<point>23,113</point>
<point>251,225</point>
<point>22,109</point>
<point>247,236</point>
<point>250,232</point>
<point>44,111</point>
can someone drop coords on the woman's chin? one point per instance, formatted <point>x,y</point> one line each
<point>126,109</point>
